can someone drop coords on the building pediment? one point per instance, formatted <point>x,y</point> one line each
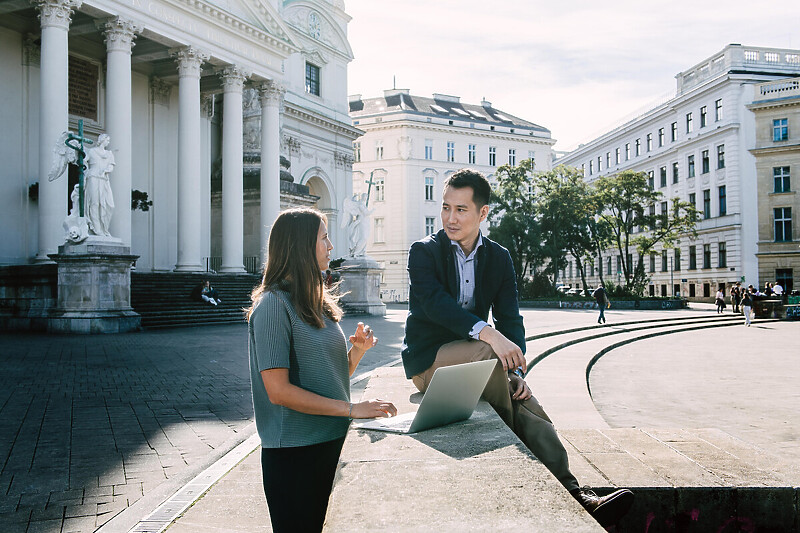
<point>315,25</point>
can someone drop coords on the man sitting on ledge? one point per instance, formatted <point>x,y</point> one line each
<point>456,276</point>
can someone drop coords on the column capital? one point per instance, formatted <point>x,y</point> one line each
<point>119,33</point>
<point>233,78</point>
<point>56,13</point>
<point>271,93</point>
<point>189,60</point>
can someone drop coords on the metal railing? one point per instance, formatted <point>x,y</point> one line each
<point>252,264</point>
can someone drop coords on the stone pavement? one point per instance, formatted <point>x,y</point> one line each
<point>97,427</point>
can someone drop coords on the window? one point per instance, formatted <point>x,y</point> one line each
<point>378,233</point>
<point>660,137</point>
<point>722,255</point>
<point>718,110</point>
<point>691,290</point>
<point>608,159</point>
<point>690,165</point>
<point>703,116</point>
<point>650,182</point>
<point>704,162</point>
<point>627,151</point>
<point>583,169</point>
<point>649,142</point>
<point>608,265</point>
<point>693,257</point>
<point>783,224</point>
<point>619,264</point>
<point>492,156</point>
<point>598,164</point>
<point>664,261</point>
<point>471,154</point>
<point>451,151</point>
<point>780,129</point>
<point>674,132</point>
<point>693,199</point>
<point>430,225</point>
<point>663,175</point>
<point>780,176</point>
<point>707,203</point>
<point>638,147</point>
<point>652,262</point>
<point>677,265</point>
<point>532,157</point>
<point>689,127</point>
<point>429,149</point>
<point>312,79</point>
<point>664,290</point>
<point>379,150</point>
<point>675,173</point>
<point>357,152</point>
<point>429,188</point>
<point>379,188</point>
<point>512,156</point>
<point>591,167</point>
<point>723,201</point>
<point>617,156</point>
<point>785,278</point>
<point>721,156</point>
<point>706,256</point>
<point>664,209</point>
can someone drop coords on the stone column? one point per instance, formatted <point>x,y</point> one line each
<point>189,238</point>
<point>119,34</point>
<point>271,95</point>
<point>232,186</point>
<point>55,16</point>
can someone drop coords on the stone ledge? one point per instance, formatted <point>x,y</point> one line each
<point>470,476</point>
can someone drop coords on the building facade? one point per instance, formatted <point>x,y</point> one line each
<point>696,146</point>
<point>776,107</point>
<point>411,144</point>
<point>189,92</point>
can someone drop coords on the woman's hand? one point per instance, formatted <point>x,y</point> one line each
<point>363,339</point>
<point>373,408</point>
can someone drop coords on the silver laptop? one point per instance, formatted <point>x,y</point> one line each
<point>452,395</point>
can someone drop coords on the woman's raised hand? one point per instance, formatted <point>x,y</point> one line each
<point>373,409</point>
<point>363,339</point>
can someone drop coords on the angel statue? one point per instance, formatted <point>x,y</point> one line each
<point>356,219</point>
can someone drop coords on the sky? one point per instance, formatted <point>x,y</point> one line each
<point>578,69</point>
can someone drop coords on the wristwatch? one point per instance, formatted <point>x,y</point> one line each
<point>518,371</point>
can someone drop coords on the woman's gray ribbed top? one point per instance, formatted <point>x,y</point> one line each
<point>317,362</point>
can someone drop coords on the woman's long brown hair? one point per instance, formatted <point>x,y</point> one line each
<point>292,265</point>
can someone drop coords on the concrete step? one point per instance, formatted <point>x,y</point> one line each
<point>687,479</point>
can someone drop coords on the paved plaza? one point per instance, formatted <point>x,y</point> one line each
<point>97,427</point>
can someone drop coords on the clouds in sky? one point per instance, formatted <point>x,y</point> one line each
<point>574,67</point>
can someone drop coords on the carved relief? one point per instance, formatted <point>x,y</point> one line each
<point>404,145</point>
<point>252,134</point>
<point>159,91</point>
<point>31,52</point>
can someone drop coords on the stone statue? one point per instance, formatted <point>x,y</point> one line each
<point>75,226</point>
<point>99,200</point>
<point>356,219</point>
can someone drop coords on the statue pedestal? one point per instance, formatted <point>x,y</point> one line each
<point>361,278</point>
<point>94,288</point>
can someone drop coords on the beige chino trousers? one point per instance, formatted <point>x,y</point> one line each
<point>526,418</point>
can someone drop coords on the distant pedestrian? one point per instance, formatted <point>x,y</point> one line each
<point>209,294</point>
<point>736,297</point>
<point>768,289</point>
<point>747,304</point>
<point>601,297</point>
<point>777,290</point>
<point>720,301</point>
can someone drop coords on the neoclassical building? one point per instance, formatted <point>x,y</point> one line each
<point>411,144</point>
<point>776,106</point>
<point>696,145</point>
<point>194,95</point>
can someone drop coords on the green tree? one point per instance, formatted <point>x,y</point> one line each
<point>565,205</point>
<point>628,204</point>
<point>513,217</point>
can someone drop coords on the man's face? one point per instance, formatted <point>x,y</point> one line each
<point>461,218</point>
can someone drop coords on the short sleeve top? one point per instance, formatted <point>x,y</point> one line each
<point>317,362</point>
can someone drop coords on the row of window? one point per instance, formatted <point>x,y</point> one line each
<point>379,185</point>
<point>450,154</point>
<point>378,227</point>
<point>661,139</point>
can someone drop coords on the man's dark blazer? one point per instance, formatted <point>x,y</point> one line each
<point>434,315</point>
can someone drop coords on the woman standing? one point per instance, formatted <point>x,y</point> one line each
<point>747,304</point>
<point>720,300</point>
<point>300,371</point>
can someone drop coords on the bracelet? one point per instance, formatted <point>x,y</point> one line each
<point>350,412</point>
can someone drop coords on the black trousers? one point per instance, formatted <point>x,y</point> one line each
<point>298,483</point>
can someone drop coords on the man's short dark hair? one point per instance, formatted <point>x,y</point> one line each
<point>466,177</point>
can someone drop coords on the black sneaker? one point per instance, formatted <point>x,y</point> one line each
<point>607,510</point>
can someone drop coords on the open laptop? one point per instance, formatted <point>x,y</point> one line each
<point>452,395</point>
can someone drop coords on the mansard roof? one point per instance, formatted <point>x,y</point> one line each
<point>441,106</point>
